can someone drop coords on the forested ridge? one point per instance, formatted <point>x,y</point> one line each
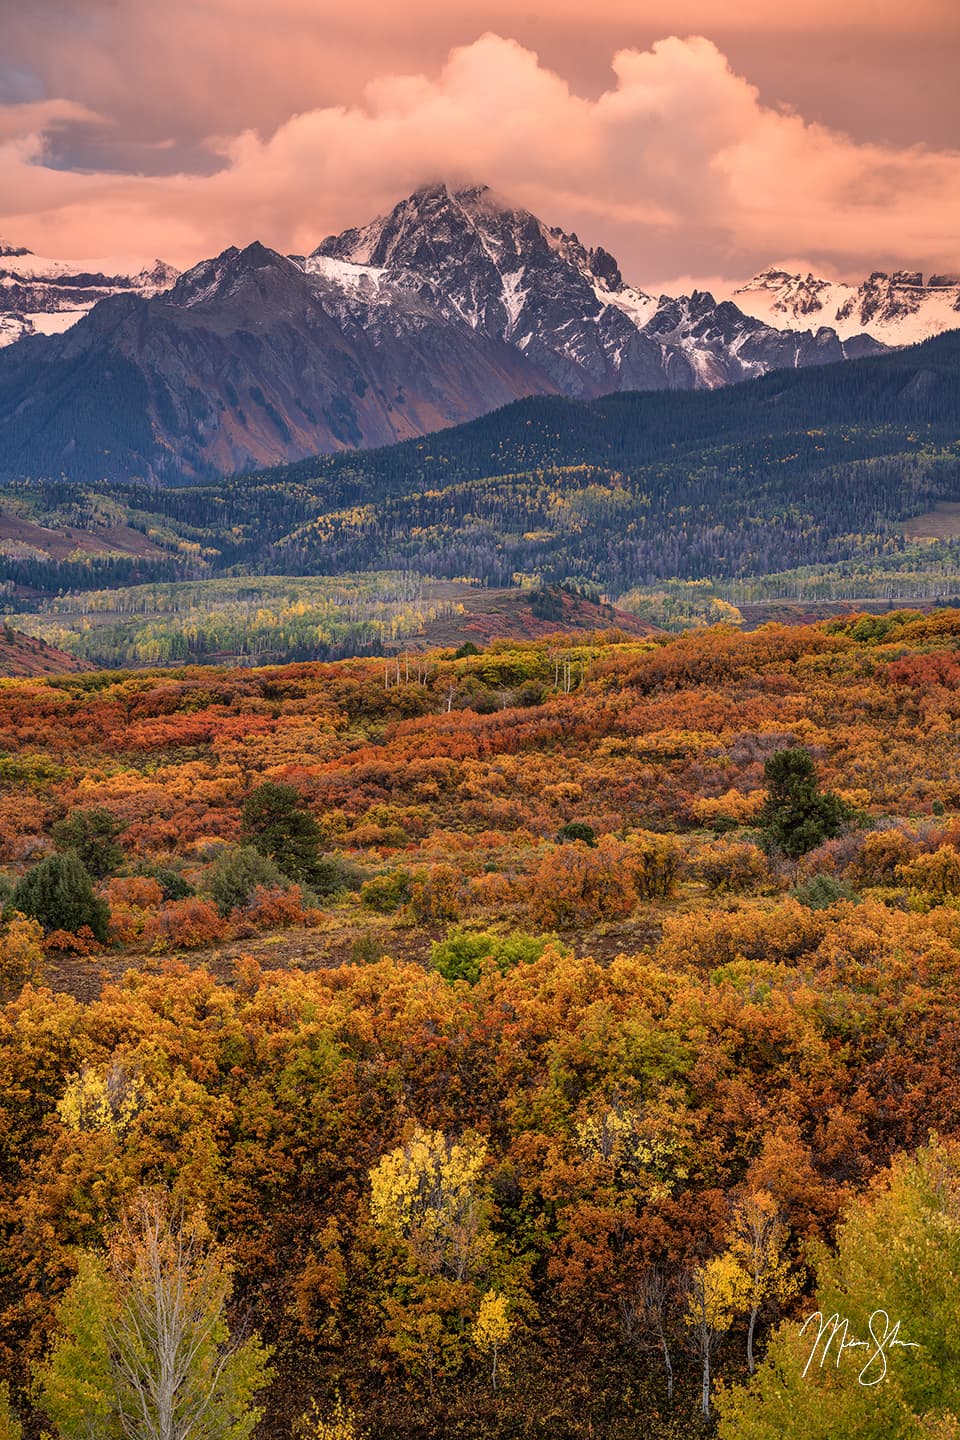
<point>517,1034</point>
<point>816,466</point>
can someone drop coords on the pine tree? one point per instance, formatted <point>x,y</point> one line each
<point>276,824</point>
<point>58,892</point>
<point>798,815</point>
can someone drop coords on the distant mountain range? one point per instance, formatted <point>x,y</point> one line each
<point>45,297</point>
<point>897,309</point>
<point>450,306</point>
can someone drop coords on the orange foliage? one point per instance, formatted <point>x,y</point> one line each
<point>577,884</point>
<point>732,865</point>
<point>437,893</point>
<point>275,909</point>
<point>185,925</point>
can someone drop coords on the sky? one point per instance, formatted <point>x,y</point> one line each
<point>697,140</point>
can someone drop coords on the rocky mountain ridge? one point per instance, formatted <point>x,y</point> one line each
<point>901,308</point>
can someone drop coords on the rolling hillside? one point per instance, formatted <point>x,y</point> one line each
<point>799,468</point>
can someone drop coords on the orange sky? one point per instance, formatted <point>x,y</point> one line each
<point>695,138</point>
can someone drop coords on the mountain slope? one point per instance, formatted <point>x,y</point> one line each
<point>798,467</point>
<point>242,362</point>
<point>915,389</point>
<point>26,655</point>
<point>452,305</point>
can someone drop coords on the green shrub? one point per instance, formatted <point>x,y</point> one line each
<point>59,893</point>
<point>92,834</point>
<point>332,873</point>
<point>366,950</point>
<point>822,891</point>
<point>577,830</point>
<point>236,873</point>
<point>461,954</point>
<point>275,823</point>
<point>386,893</point>
<point>171,882</point>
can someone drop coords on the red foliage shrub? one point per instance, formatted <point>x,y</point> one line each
<point>185,925</point>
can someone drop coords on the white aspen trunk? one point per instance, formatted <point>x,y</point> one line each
<point>705,1398</point>
<point>668,1366</point>
<point>750,1329</point>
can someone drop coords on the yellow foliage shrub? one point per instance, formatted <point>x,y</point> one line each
<point>937,875</point>
<point>653,862</point>
<point>734,805</point>
<point>436,893</point>
<point>732,865</point>
<point>21,950</point>
<point>755,932</point>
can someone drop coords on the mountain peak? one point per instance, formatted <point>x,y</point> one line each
<point>494,266</point>
<point>256,255</point>
<point>227,273</point>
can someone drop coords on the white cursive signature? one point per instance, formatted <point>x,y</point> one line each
<point>881,1341</point>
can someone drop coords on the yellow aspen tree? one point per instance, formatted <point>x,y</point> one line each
<point>758,1239</point>
<point>143,1349</point>
<point>339,1424</point>
<point>717,1292</point>
<point>102,1102</point>
<point>492,1329</point>
<point>873,1353</point>
<point>429,1191</point>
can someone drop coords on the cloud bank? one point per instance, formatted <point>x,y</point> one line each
<point>678,166</point>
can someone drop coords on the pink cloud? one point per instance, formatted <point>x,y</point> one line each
<point>679,165</point>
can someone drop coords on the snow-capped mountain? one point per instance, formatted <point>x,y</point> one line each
<point>451,305</point>
<point>897,309</point>
<point>509,276</point>
<point>45,297</point>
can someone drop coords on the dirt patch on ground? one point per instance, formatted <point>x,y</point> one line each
<point>67,539</point>
<point>342,940</point>
<point>940,523</point>
<point>24,655</point>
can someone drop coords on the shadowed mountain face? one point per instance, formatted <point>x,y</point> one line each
<point>447,308</point>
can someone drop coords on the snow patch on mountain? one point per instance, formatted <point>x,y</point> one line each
<point>363,280</point>
<point>897,309</point>
<point>43,296</point>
